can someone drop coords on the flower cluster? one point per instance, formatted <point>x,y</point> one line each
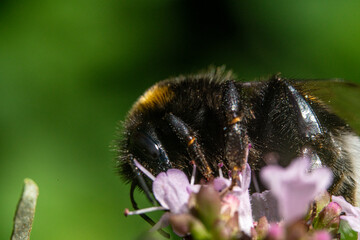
<point>296,206</point>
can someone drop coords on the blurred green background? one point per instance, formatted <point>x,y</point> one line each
<point>70,70</point>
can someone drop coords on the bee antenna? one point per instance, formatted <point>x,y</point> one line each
<point>144,216</point>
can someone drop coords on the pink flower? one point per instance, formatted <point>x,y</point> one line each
<point>295,187</point>
<point>352,214</point>
<point>230,204</point>
<point>241,192</point>
<point>220,183</point>
<point>171,189</point>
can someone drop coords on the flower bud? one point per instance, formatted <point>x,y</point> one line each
<point>329,217</point>
<point>275,232</point>
<point>180,223</point>
<point>321,235</point>
<point>208,205</point>
<point>262,227</point>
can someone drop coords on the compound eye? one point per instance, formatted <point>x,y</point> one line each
<point>145,145</point>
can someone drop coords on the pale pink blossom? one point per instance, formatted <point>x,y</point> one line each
<point>295,187</point>
<point>352,214</point>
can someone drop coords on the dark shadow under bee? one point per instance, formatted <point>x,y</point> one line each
<point>210,118</point>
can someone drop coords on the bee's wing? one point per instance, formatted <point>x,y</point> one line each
<point>343,98</point>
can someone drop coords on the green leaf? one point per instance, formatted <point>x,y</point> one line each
<point>346,232</point>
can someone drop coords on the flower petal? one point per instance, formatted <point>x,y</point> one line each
<point>193,188</point>
<point>294,187</point>
<point>346,206</point>
<point>220,183</point>
<point>170,189</point>
<point>162,223</point>
<point>246,177</point>
<point>230,204</point>
<point>245,216</point>
<point>144,170</point>
<point>242,193</point>
<point>352,213</point>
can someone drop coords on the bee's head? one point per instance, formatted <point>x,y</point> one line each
<point>170,126</point>
<point>148,137</point>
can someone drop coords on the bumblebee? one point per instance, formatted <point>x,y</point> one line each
<point>211,119</point>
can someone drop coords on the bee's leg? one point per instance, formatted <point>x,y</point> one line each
<point>141,181</point>
<point>144,216</point>
<point>188,139</point>
<point>284,122</point>
<point>324,133</point>
<point>236,138</point>
<point>291,124</point>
